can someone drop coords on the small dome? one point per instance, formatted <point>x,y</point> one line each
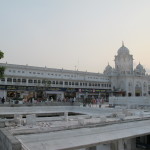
<point>123,50</point>
<point>139,67</point>
<point>108,67</point>
<point>108,70</point>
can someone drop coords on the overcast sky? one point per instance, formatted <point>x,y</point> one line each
<point>74,34</point>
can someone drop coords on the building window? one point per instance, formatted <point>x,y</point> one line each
<point>3,79</point>
<point>76,83</point>
<point>61,82</point>
<point>19,80</point>
<point>30,81</point>
<point>66,83</point>
<point>23,80</point>
<point>14,80</point>
<point>35,81</point>
<point>9,79</point>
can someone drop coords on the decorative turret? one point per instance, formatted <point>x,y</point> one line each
<point>139,70</point>
<point>108,70</point>
<point>123,50</point>
<point>124,61</point>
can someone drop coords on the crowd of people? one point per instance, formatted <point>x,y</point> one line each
<point>51,99</point>
<point>85,101</point>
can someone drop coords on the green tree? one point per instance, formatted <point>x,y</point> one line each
<point>41,89</point>
<point>2,69</point>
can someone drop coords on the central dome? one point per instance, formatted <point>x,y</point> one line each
<point>123,50</point>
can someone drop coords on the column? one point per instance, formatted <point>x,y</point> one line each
<point>66,116</point>
<point>133,143</point>
<point>5,80</point>
<point>128,144</point>
<point>27,82</point>
<point>113,145</point>
<point>120,144</point>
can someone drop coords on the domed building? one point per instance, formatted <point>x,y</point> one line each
<point>125,80</point>
<point>139,70</point>
<point>124,61</point>
<point>108,70</point>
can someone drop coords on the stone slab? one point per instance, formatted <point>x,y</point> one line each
<point>85,137</point>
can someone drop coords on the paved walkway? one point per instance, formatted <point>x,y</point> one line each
<point>79,138</point>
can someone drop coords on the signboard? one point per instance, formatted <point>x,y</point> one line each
<point>69,90</point>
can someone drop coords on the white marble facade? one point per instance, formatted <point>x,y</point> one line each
<point>122,80</point>
<point>126,79</point>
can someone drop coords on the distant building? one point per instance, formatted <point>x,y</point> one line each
<point>28,81</point>
<point>125,80</point>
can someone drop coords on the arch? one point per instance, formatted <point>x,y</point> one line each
<point>144,89</point>
<point>138,89</point>
<point>130,87</point>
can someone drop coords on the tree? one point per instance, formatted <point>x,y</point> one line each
<point>2,69</point>
<point>40,90</point>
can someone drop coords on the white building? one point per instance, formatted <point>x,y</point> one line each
<point>28,81</point>
<point>125,79</point>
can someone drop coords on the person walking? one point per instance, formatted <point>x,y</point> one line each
<point>3,100</point>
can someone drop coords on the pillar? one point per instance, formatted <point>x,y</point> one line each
<point>66,116</point>
<point>120,144</point>
<point>133,143</point>
<point>113,145</point>
<point>128,144</point>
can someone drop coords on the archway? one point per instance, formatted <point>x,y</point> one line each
<point>138,89</point>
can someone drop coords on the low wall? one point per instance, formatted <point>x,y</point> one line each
<point>130,101</point>
<point>42,104</point>
<point>7,141</point>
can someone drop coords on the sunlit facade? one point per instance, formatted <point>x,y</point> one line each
<point>28,81</point>
<point>122,80</point>
<point>125,80</point>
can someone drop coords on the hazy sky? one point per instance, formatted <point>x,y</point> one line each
<point>68,33</point>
